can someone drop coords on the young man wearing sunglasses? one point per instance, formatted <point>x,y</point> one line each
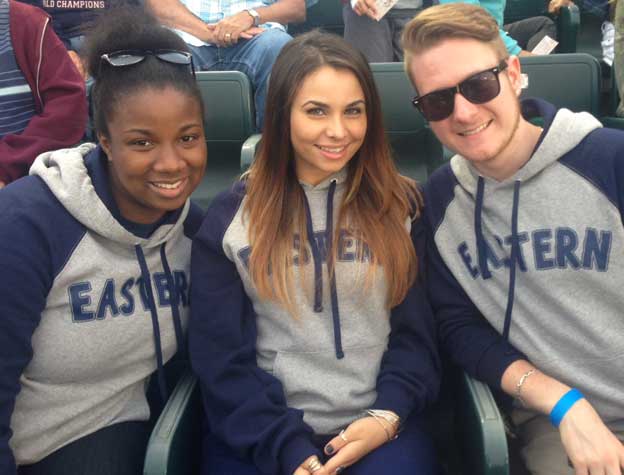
<point>524,261</point>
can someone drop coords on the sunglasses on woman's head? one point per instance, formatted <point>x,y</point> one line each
<point>123,58</point>
<point>478,88</point>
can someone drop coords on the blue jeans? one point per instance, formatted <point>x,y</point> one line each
<point>254,57</point>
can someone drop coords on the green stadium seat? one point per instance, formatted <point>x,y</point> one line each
<point>174,445</point>
<point>325,14</point>
<point>229,119</point>
<point>566,80</point>
<point>611,120</point>
<point>416,150</point>
<point>568,20</point>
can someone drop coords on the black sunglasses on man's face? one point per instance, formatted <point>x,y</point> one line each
<point>478,89</point>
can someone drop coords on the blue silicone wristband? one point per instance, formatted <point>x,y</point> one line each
<point>563,406</point>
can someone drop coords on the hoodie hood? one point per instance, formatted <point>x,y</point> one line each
<point>67,175</point>
<point>563,130</point>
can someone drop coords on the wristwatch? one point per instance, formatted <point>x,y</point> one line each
<point>255,15</point>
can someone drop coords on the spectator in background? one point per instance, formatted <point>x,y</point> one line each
<point>71,22</point>
<point>242,35</point>
<point>520,37</point>
<point>379,40</point>
<point>42,96</point>
<point>600,9</point>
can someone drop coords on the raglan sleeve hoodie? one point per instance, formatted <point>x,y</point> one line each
<point>25,281</point>
<point>464,334</point>
<point>245,406</point>
<point>409,375</point>
<point>57,87</point>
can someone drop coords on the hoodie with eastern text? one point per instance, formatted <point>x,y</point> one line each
<point>270,381</point>
<point>89,307</point>
<point>539,256</point>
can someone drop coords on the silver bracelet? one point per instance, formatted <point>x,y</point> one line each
<point>390,417</point>
<point>521,381</point>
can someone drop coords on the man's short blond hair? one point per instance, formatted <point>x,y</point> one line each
<point>450,21</point>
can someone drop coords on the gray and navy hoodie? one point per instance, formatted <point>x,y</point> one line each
<point>271,380</point>
<point>539,256</point>
<point>90,305</point>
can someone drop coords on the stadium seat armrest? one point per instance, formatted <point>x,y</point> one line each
<point>248,151</point>
<point>173,447</point>
<point>481,428</point>
<point>568,24</point>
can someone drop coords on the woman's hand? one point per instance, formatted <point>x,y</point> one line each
<point>309,466</point>
<point>591,446</point>
<point>357,440</point>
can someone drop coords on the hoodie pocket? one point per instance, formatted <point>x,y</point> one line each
<point>332,392</point>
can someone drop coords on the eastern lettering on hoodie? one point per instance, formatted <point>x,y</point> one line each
<point>349,249</point>
<point>116,298</point>
<point>558,248</point>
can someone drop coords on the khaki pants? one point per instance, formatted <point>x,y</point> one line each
<point>541,448</point>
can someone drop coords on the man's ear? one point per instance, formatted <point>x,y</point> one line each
<point>105,143</point>
<point>514,73</point>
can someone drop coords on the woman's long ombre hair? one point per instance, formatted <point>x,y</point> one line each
<point>377,201</point>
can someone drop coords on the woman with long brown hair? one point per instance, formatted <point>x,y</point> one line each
<point>312,340</point>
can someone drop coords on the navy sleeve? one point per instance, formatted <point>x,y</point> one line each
<point>464,334</point>
<point>25,281</point>
<point>409,376</point>
<point>245,405</point>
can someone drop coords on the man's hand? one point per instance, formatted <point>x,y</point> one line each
<point>365,7</point>
<point>591,446</point>
<point>360,438</point>
<point>555,5</point>
<point>2,185</point>
<point>228,31</point>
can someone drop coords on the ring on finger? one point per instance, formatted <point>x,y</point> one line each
<point>228,36</point>
<point>343,436</point>
<point>314,465</point>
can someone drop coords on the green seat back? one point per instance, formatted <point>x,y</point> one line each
<point>325,14</point>
<point>415,148</point>
<point>520,9</point>
<point>566,80</point>
<point>228,120</point>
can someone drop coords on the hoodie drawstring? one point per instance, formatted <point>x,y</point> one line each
<point>318,269</point>
<point>316,257</point>
<point>481,244</point>
<point>174,301</point>
<point>515,247</point>
<point>515,252</point>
